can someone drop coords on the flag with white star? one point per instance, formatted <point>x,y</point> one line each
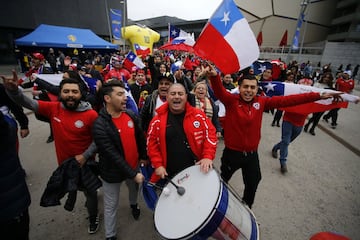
<point>274,88</point>
<point>260,66</point>
<point>227,40</point>
<point>141,50</point>
<point>175,32</point>
<point>132,60</point>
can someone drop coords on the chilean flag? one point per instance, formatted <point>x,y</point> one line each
<point>282,89</point>
<point>260,66</point>
<point>175,32</point>
<point>227,40</point>
<point>141,50</point>
<point>132,60</point>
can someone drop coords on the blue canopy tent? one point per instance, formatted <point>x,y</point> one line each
<point>63,37</point>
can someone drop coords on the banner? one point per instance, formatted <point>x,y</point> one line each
<point>116,20</point>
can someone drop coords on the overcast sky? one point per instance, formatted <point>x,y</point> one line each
<point>184,9</point>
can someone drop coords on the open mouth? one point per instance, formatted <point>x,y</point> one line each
<point>176,103</point>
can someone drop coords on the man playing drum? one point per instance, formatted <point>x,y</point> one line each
<point>179,136</point>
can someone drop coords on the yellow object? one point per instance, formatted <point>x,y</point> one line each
<point>141,35</point>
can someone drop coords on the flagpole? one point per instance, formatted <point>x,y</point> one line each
<point>303,39</point>
<point>169,32</point>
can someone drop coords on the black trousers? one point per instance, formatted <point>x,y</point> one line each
<point>314,120</point>
<point>232,160</point>
<point>91,203</point>
<point>16,228</point>
<point>333,114</point>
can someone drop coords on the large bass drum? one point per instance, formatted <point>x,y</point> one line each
<point>208,208</point>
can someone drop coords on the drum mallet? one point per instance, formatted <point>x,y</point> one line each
<point>180,190</point>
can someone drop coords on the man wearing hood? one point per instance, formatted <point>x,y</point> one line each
<point>71,120</point>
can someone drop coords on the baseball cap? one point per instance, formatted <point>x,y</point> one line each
<point>39,56</point>
<point>347,72</point>
<point>166,75</point>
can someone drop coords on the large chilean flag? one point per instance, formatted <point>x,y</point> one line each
<point>227,40</point>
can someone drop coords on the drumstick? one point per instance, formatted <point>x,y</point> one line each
<point>153,185</point>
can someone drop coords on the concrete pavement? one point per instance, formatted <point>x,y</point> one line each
<point>321,192</point>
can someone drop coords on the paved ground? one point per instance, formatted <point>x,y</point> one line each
<point>321,192</point>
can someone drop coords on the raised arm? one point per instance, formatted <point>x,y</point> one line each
<point>13,91</point>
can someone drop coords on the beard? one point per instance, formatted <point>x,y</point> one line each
<point>70,105</point>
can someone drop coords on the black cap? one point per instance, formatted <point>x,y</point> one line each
<point>166,75</point>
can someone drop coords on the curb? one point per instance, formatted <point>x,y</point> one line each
<point>339,139</point>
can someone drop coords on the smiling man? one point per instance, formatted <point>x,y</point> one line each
<point>242,126</point>
<point>71,122</point>
<point>180,136</point>
<point>155,99</point>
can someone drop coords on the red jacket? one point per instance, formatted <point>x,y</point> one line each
<point>296,119</point>
<point>199,131</point>
<point>345,85</point>
<point>242,123</point>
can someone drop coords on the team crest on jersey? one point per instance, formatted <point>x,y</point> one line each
<point>130,124</point>
<point>196,124</point>
<point>256,105</point>
<point>79,124</point>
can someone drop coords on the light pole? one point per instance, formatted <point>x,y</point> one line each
<point>108,20</point>
<point>123,2</point>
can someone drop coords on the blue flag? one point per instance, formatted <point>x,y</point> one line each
<point>295,44</point>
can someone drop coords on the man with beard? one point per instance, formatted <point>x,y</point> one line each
<point>71,120</point>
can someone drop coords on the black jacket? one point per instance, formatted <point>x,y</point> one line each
<point>148,110</point>
<point>14,193</point>
<point>113,166</point>
<point>68,178</point>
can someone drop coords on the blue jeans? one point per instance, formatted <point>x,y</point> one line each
<point>288,133</point>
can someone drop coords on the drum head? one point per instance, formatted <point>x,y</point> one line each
<point>178,216</point>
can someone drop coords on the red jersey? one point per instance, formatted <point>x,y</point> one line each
<point>126,129</point>
<point>72,130</point>
<point>242,123</point>
<point>345,85</point>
